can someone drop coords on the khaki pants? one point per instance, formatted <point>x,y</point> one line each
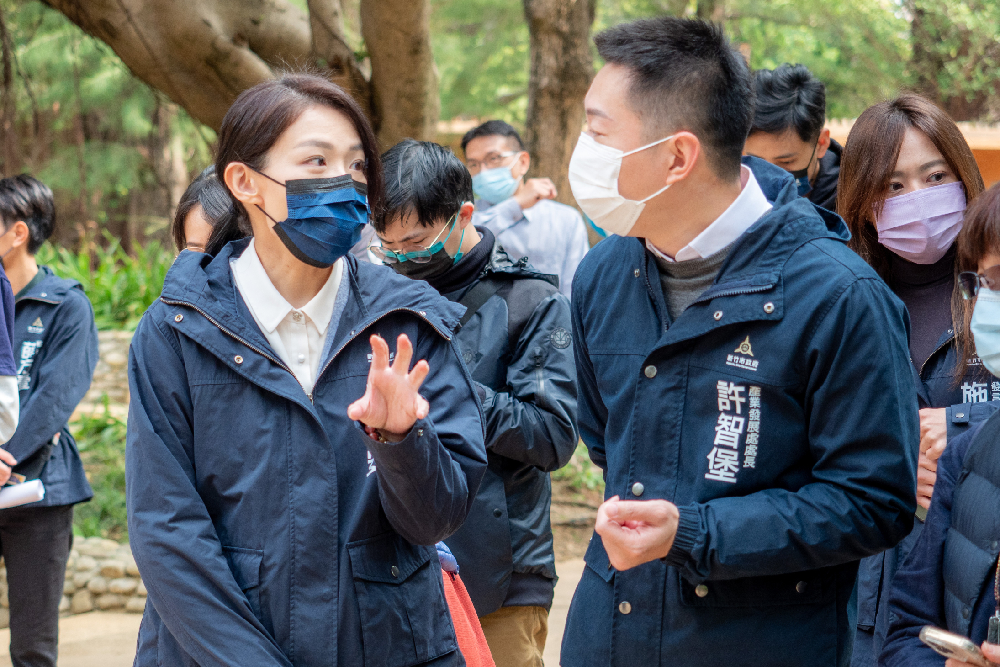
<point>516,635</point>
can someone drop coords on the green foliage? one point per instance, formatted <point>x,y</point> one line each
<point>120,286</point>
<point>580,473</point>
<point>100,438</point>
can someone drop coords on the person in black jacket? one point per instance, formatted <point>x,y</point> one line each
<point>515,338</point>
<point>788,131</point>
<point>55,346</point>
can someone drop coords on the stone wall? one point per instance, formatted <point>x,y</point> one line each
<point>111,375</point>
<point>100,575</point>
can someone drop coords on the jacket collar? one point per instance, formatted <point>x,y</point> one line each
<point>50,288</point>
<point>206,284</point>
<point>500,264</point>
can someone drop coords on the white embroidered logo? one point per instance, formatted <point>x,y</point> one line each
<point>371,465</point>
<point>723,460</point>
<point>36,327</point>
<point>29,349</point>
<point>742,357</point>
<point>975,392</point>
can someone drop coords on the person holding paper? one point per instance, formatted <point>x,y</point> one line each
<point>302,430</point>
<point>56,343</point>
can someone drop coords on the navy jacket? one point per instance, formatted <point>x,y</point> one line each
<point>55,343</point>
<point>519,351</point>
<point>777,412</point>
<point>269,529</point>
<point>968,402</point>
<point>917,595</point>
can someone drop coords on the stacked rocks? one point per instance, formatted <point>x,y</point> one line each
<point>100,575</point>
<point>110,376</point>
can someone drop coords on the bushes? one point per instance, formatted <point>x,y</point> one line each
<point>120,286</point>
<point>100,438</point>
<point>580,473</point>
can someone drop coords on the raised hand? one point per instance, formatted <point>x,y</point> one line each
<point>391,403</point>
<point>636,531</point>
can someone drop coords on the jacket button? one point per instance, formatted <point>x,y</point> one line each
<point>637,489</point>
<point>423,313</point>
<point>768,307</point>
<point>44,294</point>
<point>717,315</point>
<point>178,318</point>
<point>420,432</point>
<point>701,590</point>
<point>959,414</point>
<point>238,359</point>
<point>637,273</point>
<point>650,371</point>
<point>498,513</point>
<point>965,612</point>
<point>625,608</point>
<point>995,545</point>
<point>801,587</point>
<point>395,572</point>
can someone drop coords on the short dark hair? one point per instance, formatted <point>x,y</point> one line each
<point>685,76</point>
<point>24,198</point>
<point>493,128</point>
<point>789,97</point>
<point>424,178</point>
<point>260,115</point>
<point>208,192</point>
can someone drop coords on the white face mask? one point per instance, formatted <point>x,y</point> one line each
<point>593,177</point>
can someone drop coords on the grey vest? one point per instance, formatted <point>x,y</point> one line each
<point>973,539</point>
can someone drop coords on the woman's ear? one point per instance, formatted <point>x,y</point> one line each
<point>465,214</point>
<point>240,180</point>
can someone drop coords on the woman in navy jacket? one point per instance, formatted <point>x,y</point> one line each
<point>948,578</point>
<point>906,175</point>
<point>279,521</point>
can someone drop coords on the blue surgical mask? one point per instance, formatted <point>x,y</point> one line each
<point>325,217</point>
<point>986,329</point>
<point>494,185</point>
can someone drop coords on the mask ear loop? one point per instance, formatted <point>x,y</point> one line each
<point>642,148</point>
<point>273,181</point>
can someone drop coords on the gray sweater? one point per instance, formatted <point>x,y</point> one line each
<point>683,282</point>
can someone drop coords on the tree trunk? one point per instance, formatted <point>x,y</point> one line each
<point>404,80</point>
<point>9,149</point>
<point>561,70</point>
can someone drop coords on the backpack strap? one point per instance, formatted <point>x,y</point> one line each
<point>474,299</point>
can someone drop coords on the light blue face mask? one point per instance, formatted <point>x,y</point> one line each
<point>986,329</point>
<point>495,185</point>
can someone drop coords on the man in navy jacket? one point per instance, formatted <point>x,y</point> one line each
<point>744,378</point>
<point>55,342</point>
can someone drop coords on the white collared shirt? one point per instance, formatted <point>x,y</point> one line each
<point>297,335</point>
<point>748,208</point>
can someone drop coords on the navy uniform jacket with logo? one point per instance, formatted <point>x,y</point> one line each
<point>55,352</point>
<point>778,412</point>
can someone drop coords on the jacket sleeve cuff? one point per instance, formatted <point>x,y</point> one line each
<point>688,534</point>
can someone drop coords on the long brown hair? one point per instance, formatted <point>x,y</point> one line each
<point>866,168</point>
<point>260,115</point>
<point>979,237</point>
<point>870,157</point>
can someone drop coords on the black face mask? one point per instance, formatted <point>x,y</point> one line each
<point>437,265</point>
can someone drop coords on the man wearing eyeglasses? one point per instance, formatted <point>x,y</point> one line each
<point>522,213</point>
<point>516,342</point>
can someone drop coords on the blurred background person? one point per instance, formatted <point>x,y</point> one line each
<point>950,577</point>
<point>56,342</point>
<point>906,177</point>
<point>788,131</point>
<point>521,213</point>
<point>515,339</point>
<point>201,213</point>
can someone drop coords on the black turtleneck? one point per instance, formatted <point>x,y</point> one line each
<point>469,268</point>
<point>926,290</point>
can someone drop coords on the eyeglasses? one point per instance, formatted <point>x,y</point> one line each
<point>969,282</point>
<point>414,252</point>
<point>492,161</point>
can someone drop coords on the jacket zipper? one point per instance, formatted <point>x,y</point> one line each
<point>940,347</point>
<point>734,292</point>
<point>278,361</point>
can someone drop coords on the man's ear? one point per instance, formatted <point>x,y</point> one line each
<point>21,234</point>
<point>681,154</point>
<point>241,181</point>
<point>823,144</point>
<point>465,214</point>
<point>521,165</point>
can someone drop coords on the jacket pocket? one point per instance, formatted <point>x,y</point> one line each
<point>796,588</point>
<point>596,559</point>
<point>245,565</point>
<point>404,616</point>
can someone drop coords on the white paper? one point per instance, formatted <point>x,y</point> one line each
<point>22,494</point>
